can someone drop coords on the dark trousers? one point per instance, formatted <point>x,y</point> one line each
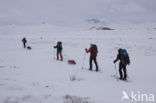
<point>24,44</point>
<point>122,67</point>
<point>90,62</point>
<point>59,52</point>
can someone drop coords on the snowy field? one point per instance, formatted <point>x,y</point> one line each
<point>34,76</point>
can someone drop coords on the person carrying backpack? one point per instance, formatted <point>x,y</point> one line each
<point>59,50</point>
<point>93,54</point>
<point>24,40</point>
<point>124,61</point>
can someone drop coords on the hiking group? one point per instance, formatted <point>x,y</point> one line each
<point>122,56</point>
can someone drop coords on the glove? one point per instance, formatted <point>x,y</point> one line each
<point>114,61</point>
<point>86,49</point>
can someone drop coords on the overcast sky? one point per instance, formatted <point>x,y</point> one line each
<point>76,11</point>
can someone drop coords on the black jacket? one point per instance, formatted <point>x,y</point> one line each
<point>122,59</point>
<point>24,40</point>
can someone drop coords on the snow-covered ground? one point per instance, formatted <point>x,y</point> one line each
<point>34,76</point>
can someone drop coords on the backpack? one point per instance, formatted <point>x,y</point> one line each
<point>59,45</point>
<point>125,57</point>
<point>93,50</point>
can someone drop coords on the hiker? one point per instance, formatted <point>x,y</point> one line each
<point>124,61</point>
<point>93,54</point>
<point>59,50</point>
<point>24,40</point>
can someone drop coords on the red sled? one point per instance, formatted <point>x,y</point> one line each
<point>71,62</point>
<point>29,47</point>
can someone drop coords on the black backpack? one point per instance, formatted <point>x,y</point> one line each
<point>125,57</point>
<point>59,45</point>
<point>93,50</point>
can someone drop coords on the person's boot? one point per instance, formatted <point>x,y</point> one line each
<point>121,78</point>
<point>61,58</point>
<point>124,78</point>
<point>57,57</point>
<point>97,68</point>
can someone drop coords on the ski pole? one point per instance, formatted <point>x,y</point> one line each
<point>116,71</point>
<point>54,54</point>
<point>83,60</point>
